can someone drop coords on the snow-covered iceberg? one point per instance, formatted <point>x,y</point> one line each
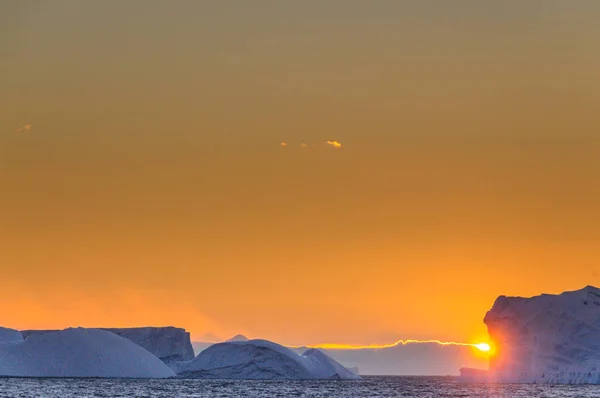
<point>80,353</point>
<point>322,364</point>
<point>546,339</point>
<point>169,344</point>
<point>10,336</point>
<point>261,359</point>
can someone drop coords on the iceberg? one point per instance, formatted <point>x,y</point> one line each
<point>169,344</point>
<point>262,359</point>
<point>200,346</point>
<point>326,367</point>
<point>10,336</point>
<point>475,375</point>
<point>80,353</point>
<point>546,339</point>
<point>239,337</point>
<point>425,359</point>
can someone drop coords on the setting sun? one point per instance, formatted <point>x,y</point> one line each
<point>483,347</point>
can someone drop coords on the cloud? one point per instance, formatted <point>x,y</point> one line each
<point>304,145</point>
<point>24,128</point>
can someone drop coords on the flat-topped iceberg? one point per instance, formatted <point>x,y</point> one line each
<point>545,339</point>
<point>10,336</point>
<point>169,344</point>
<point>261,359</point>
<point>80,353</point>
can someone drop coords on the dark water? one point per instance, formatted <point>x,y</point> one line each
<point>368,387</point>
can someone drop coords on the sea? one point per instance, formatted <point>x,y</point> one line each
<point>380,387</point>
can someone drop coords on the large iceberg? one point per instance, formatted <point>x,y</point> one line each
<point>546,339</point>
<point>80,353</point>
<point>261,359</point>
<point>169,344</point>
<point>10,336</point>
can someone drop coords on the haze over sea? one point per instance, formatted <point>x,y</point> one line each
<point>371,386</point>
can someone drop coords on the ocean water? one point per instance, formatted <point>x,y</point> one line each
<point>381,387</point>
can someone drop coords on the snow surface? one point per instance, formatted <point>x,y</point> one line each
<point>323,364</point>
<point>547,338</point>
<point>80,353</point>
<point>10,336</point>
<point>169,344</point>
<point>262,359</point>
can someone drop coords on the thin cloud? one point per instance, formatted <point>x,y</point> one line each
<point>24,128</point>
<point>304,145</point>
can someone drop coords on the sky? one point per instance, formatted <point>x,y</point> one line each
<point>143,180</point>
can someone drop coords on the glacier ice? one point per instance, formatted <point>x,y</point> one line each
<point>322,364</point>
<point>169,344</point>
<point>262,359</point>
<point>80,353</point>
<point>10,336</point>
<point>545,339</point>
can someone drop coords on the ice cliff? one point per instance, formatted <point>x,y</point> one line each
<point>10,336</point>
<point>261,359</point>
<point>547,338</point>
<point>169,344</point>
<point>79,353</point>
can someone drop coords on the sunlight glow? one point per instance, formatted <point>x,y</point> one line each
<point>334,144</point>
<point>484,347</point>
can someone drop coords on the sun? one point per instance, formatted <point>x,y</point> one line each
<point>485,347</point>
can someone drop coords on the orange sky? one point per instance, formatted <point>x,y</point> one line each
<point>152,187</point>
